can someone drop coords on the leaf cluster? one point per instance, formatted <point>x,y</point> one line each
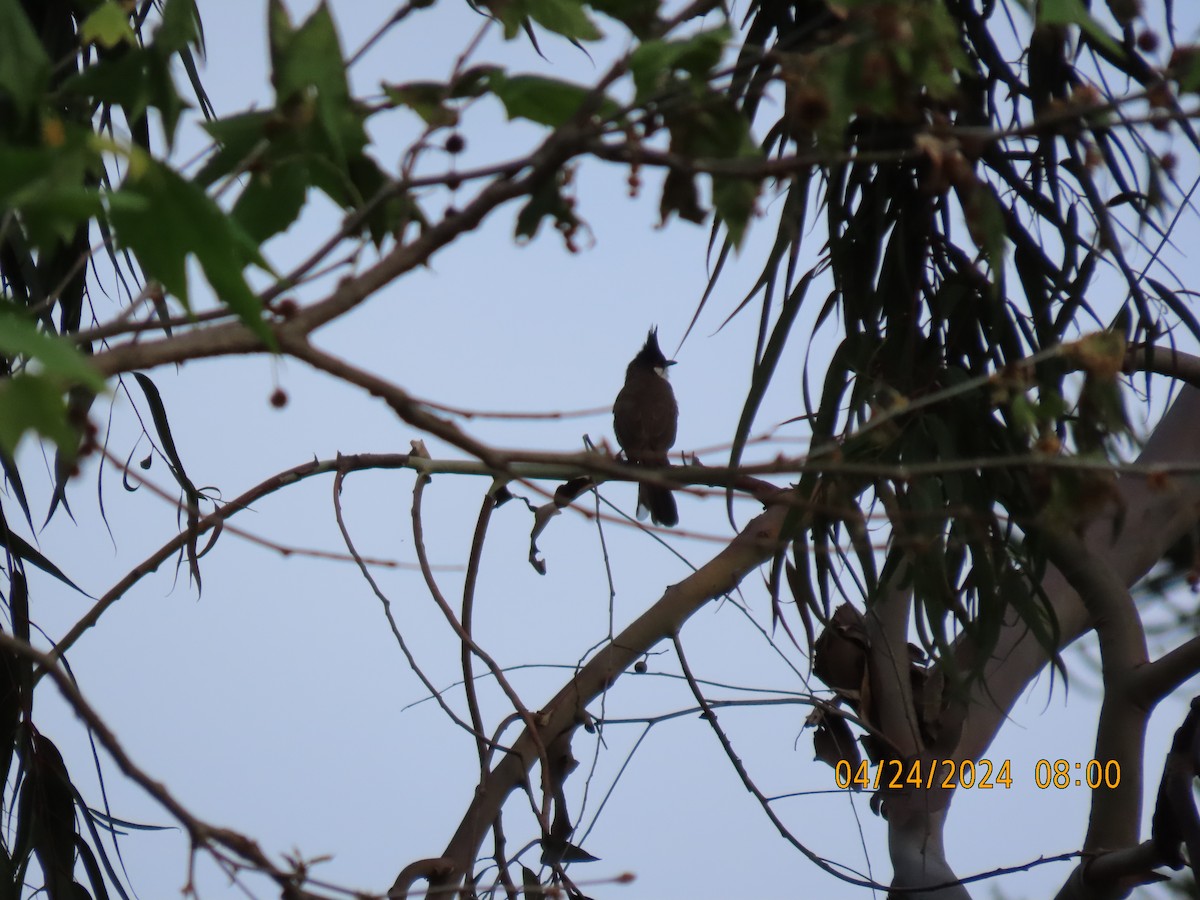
<point>969,189</point>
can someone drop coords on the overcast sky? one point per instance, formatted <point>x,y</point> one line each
<point>278,702</point>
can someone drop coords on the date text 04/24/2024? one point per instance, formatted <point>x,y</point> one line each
<point>983,774</point>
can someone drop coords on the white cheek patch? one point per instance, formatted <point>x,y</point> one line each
<point>661,372</point>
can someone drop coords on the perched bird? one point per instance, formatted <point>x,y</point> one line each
<point>645,417</point>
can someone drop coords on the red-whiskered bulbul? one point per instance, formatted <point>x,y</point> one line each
<point>645,417</point>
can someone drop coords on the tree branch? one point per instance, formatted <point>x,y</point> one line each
<point>1155,680</point>
<point>1156,512</point>
<point>201,833</point>
<point>1115,819</point>
<point>756,544</point>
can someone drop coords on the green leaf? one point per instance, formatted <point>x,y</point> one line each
<point>58,357</point>
<point>164,219</point>
<point>22,548</point>
<point>764,370</point>
<point>734,200</point>
<point>547,200</point>
<point>309,59</point>
<point>24,65</point>
<point>985,223</point>
<point>238,137</point>
<point>639,16</point>
<point>1185,68</point>
<point>1073,12</point>
<point>107,25</point>
<point>654,62</point>
<point>179,27</point>
<point>272,200</point>
<point>280,32</point>
<point>46,187</point>
<point>546,101</point>
<point>30,402</point>
<point>472,83</point>
<point>312,57</point>
<point>138,79</point>
<point>565,17</point>
<point>393,214</point>
<point>426,98</point>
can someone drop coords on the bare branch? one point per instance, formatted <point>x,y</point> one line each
<point>215,519</point>
<point>711,717</point>
<point>753,546</point>
<point>477,732</point>
<point>469,642</point>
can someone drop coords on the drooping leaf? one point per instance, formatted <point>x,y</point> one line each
<point>833,741</point>
<point>18,546</point>
<point>546,201</point>
<point>191,496</point>
<point>92,868</point>
<point>158,414</point>
<point>734,200</point>
<point>765,370</point>
<point>47,794</point>
<point>680,196</point>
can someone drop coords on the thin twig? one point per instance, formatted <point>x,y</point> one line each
<point>727,745</point>
<point>468,607</point>
<point>217,518</point>
<point>478,734</point>
<point>497,673</point>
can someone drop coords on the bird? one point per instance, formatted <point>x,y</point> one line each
<point>645,419</point>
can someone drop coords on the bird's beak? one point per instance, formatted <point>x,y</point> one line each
<point>670,362</point>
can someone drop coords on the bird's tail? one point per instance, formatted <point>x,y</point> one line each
<point>660,503</point>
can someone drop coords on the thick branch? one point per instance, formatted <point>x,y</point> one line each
<point>1156,680</point>
<point>1150,515</point>
<point>892,709</point>
<point>1120,735</point>
<point>916,819</point>
<point>1164,361</point>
